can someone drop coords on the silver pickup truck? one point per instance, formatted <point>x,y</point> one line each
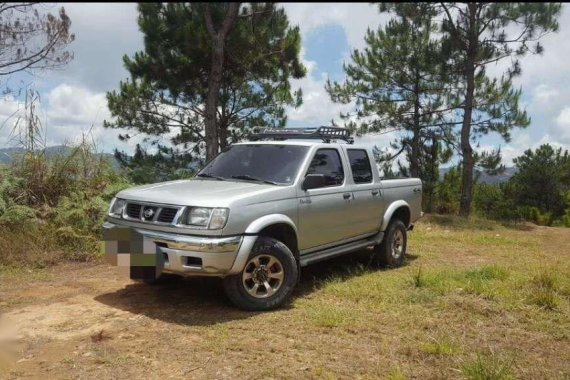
<point>260,211</point>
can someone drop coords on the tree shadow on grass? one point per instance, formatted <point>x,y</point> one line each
<point>200,301</point>
<point>475,223</point>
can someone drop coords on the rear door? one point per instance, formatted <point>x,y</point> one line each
<point>367,207</point>
<point>323,211</point>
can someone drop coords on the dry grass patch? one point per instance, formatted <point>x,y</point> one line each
<point>485,301</point>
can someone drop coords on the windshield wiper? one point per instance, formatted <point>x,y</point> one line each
<point>206,175</point>
<point>250,178</point>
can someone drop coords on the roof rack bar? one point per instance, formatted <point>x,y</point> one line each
<point>324,133</point>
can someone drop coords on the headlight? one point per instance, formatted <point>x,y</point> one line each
<point>117,206</point>
<point>212,218</point>
<point>199,216</point>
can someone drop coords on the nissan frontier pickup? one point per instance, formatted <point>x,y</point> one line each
<point>260,211</point>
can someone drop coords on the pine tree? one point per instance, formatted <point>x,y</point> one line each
<point>477,35</point>
<point>398,82</point>
<point>207,73</point>
<point>542,179</point>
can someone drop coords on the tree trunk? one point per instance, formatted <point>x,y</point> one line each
<point>218,39</point>
<point>214,84</point>
<point>223,135</point>
<point>433,168</point>
<point>415,156</point>
<point>466,149</point>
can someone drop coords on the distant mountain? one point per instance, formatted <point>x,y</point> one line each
<point>7,155</point>
<point>486,178</point>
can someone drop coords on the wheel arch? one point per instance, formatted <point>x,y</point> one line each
<point>399,209</point>
<point>277,226</point>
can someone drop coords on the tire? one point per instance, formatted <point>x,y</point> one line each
<point>267,280</point>
<point>392,251</point>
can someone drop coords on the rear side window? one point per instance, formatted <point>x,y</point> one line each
<point>360,165</point>
<point>327,162</point>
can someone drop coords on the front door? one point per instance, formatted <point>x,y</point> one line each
<point>323,211</point>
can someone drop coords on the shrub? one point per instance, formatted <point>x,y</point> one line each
<point>533,214</point>
<point>493,201</point>
<point>58,203</point>
<point>447,192</point>
<point>17,215</point>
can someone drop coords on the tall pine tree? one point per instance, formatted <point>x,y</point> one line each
<point>477,35</point>
<point>207,72</point>
<point>398,82</point>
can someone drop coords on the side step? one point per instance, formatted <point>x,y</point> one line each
<point>314,257</point>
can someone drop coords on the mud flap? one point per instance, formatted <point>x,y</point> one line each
<point>137,254</point>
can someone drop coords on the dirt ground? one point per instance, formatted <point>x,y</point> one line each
<point>87,321</point>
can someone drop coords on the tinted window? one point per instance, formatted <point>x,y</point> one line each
<point>276,163</point>
<point>327,162</point>
<point>360,166</point>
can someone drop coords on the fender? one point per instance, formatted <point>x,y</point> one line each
<point>390,211</point>
<point>249,239</point>
<point>259,224</point>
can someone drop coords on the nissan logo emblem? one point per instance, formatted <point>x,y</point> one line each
<point>148,213</point>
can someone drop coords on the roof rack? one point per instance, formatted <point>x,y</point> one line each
<point>324,133</point>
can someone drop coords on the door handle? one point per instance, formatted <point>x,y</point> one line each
<point>416,190</point>
<point>346,195</point>
<point>375,192</point>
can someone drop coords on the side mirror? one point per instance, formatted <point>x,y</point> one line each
<point>313,181</point>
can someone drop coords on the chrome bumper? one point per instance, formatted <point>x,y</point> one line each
<point>183,254</point>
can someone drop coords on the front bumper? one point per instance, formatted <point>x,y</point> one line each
<point>175,253</point>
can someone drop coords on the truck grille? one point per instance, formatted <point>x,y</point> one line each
<point>134,210</point>
<point>167,215</point>
<point>148,213</point>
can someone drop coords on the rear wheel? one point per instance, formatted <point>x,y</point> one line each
<point>267,280</point>
<point>392,251</point>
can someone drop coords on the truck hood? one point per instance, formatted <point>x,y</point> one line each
<point>198,192</point>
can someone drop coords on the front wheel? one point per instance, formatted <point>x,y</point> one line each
<point>268,278</point>
<point>392,251</point>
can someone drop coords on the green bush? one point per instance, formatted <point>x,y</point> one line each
<point>18,215</point>
<point>493,202</point>
<point>447,192</point>
<point>534,215</point>
<point>564,221</point>
<point>56,204</point>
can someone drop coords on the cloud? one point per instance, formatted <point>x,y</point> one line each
<point>76,105</point>
<point>10,109</point>
<point>543,94</point>
<point>104,33</point>
<point>317,107</point>
<point>354,18</point>
<point>69,114</point>
<point>563,125</point>
<point>523,141</point>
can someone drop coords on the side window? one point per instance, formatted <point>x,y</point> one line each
<point>327,162</point>
<point>360,166</point>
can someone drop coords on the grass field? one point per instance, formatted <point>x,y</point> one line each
<point>476,300</point>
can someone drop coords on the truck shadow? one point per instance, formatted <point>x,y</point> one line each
<point>201,301</point>
<point>186,301</point>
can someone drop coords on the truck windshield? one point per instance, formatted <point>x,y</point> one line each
<point>273,163</point>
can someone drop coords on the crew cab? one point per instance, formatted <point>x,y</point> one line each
<point>261,210</point>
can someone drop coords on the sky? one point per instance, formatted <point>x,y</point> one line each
<point>73,98</point>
